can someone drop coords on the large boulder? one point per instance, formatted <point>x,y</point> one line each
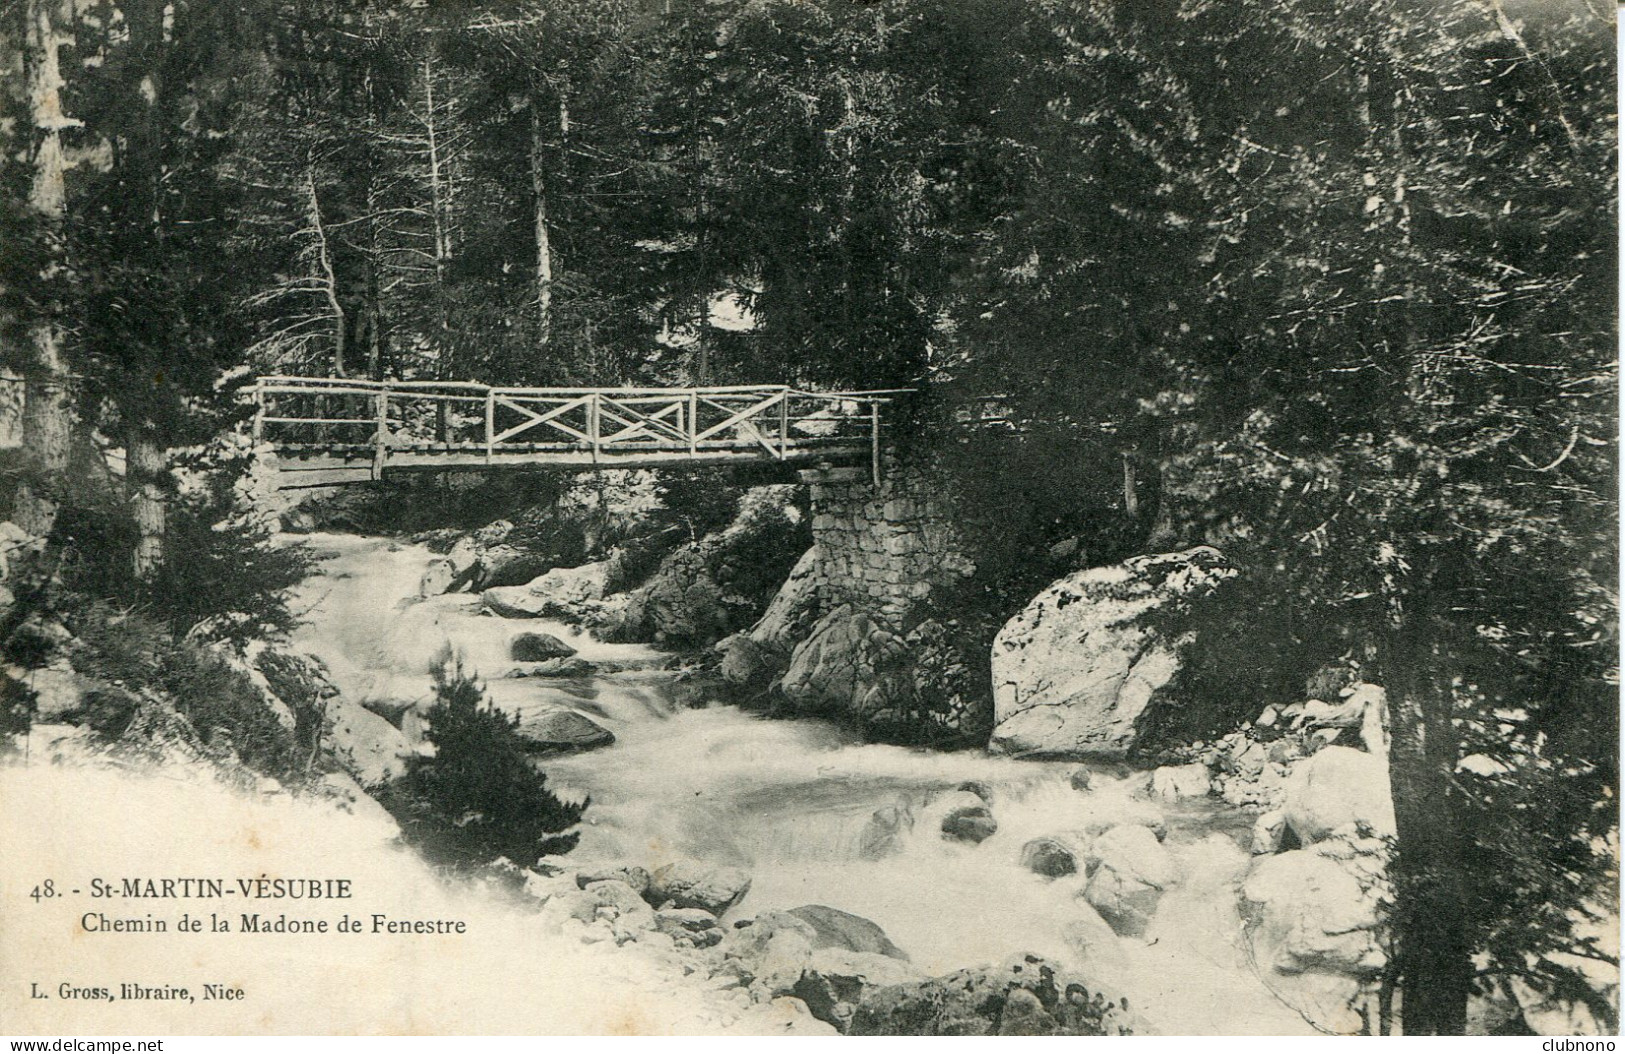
<point>833,928</point>
<point>855,664</point>
<point>742,661</point>
<point>1312,919</point>
<point>1172,782</point>
<point>691,884</point>
<point>839,667</point>
<point>538,647</point>
<point>1049,857</point>
<point>369,747</point>
<point>1129,871</point>
<point>565,592</point>
<point>1024,995</point>
<point>967,818</point>
<point>1336,787</point>
<point>563,731</point>
<point>1077,670</point>
<point>770,953</point>
<point>508,565</point>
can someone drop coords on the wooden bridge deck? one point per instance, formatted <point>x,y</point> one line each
<point>328,431</point>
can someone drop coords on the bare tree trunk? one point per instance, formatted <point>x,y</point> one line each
<point>439,204</point>
<point>702,325</point>
<point>439,210</point>
<point>146,468</point>
<point>47,409</point>
<point>544,245</point>
<point>324,259</point>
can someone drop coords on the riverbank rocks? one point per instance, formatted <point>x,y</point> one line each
<point>1023,996</point>
<point>1128,872</point>
<point>756,657</point>
<point>790,614</point>
<point>1172,782</point>
<point>834,981</point>
<point>1338,787</point>
<point>636,877</point>
<point>563,732</point>
<point>538,647</point>
<point>508,565</point>
<point>1251,766</point>
<point>1077,669</point>
<point>857,665</point>
<point>372,749</point>
<point>1049,857</point>
<point>1311,924</point>
<point>695,927</point>
<point>608,908</point>
<point>58,690</point>
<point>721,583</point>
<point>691,884</point>
<point>815,953</point>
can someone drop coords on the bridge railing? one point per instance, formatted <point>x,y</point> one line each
<point>396,419</point>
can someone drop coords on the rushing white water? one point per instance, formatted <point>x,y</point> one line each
<point>791,800</point>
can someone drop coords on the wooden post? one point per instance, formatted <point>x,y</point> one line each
<point>874,441</point>
<point>490,423</point>
<point>693,420</point>
<point>380,437</point>
<point>784,424</point>
<point>592,425</point>
<point>259,414</point>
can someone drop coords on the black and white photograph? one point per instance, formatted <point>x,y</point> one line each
<point>809,518</point>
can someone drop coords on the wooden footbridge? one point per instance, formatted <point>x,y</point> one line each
<point>328,431</point>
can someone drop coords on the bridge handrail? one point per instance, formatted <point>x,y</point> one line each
<point>348,386</point>
<point>611,422</point>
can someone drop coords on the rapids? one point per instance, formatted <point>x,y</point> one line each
<point>790,801</point>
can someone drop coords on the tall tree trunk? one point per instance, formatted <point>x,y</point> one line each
<point>440,216</point>
<point>1433,938</point>
<point>47,407</point>
<point>1433,942</point>
<point>544,244</point>
<point>146,470</point>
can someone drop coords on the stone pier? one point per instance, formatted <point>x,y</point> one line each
<point>881,548</point>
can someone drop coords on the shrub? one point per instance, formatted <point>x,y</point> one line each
<point>223,577</point>
<point>479,797</point>
<point>216,698</point>
<point>18,703</point>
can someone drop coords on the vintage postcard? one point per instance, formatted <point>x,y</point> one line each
<point>809,517</point>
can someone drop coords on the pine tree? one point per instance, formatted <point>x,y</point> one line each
<point>479,797</point>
